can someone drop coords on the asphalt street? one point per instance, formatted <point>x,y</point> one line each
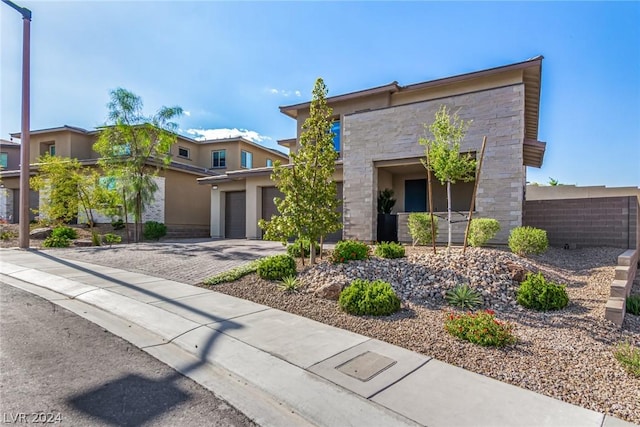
<point>58,368</point>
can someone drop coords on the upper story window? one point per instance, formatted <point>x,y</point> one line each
<point>4,160</point>
<point>269,163</point>
<point>52,150</point>
<point>183,152</point>
<point>219,159</point>
<point>121,150</point>
<point>335,128</point>
<point>246,159</point>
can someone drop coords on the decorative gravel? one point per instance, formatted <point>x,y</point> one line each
<point>567,354</point>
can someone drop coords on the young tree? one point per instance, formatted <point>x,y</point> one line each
<point>445,160</point>
<point>308,210</point>
<point>69,187</point>
<point>134,148</point>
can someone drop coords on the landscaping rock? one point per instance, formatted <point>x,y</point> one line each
<point>517,271</point>
<point>329,291</point>
<point>41,233</point>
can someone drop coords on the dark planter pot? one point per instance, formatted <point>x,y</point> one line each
<point>387,227</point>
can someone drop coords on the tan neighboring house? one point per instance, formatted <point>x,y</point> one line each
<point>377,138</point>
<point>180,202</point>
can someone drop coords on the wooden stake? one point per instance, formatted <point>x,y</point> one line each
<point>473,197</point>
<point>433,226</point>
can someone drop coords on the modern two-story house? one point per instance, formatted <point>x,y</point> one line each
<point>377,132</point>
<point>180,202</point>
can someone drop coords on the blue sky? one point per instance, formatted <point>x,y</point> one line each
<point>231,64</point>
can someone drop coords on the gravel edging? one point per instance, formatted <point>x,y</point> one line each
<point>566,354</point>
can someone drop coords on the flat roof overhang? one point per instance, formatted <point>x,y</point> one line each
<point>533,152</point>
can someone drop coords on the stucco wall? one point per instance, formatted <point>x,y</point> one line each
<point>393,133</point>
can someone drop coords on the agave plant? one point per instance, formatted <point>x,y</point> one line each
<point>464,296</point>
<point>289,284</point>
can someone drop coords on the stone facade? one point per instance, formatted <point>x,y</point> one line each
<point>393,133</point>
<point>6,204</point>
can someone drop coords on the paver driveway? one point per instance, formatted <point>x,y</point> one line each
<point>187,261</point>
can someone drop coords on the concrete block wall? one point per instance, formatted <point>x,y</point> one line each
<point>6,204</point>
<point>393,133</point>
<point>602,221</point>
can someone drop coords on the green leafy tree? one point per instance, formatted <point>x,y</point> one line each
<point>445,160</point>
<point>134,148</point>
<point>308,209</point>
<point>69,187</point>
<point>553,182</point>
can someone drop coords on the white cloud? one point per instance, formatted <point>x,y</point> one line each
<point>285,93</point>
<point>187,113</point>
<point>206,134</point>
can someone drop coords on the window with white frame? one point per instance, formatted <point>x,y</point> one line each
<point>246,159</point>
<point>269,163</point>
<point>183,152</point>
<point>4,160</point>
<point>219,159</point>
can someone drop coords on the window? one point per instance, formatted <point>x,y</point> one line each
<point>246,159</point>
<point>122,150</point>
<point>107,182</point>
<point>52,150</point>
<point>4,160</point>
<point>219,159</point>
<point>335,128</point>
<point>416,198</point>
<point>269,163</point>
<point>183,152</point>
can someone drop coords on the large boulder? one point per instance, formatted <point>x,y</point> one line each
<point>41,233</point>
<point>517,271</point>
<point>329,291</point>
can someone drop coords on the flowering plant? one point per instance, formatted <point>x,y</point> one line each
<point>480,328</point>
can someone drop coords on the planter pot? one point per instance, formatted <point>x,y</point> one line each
<point>387,227</point>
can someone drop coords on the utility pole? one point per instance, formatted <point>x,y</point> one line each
<point>24,134</point>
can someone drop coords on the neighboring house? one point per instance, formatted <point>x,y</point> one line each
<point>377,138</point>
<point>180,202</point>
<point>9,161</point>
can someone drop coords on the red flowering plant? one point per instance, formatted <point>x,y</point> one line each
<point>480,328</point>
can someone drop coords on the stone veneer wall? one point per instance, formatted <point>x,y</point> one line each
<point>392,133</point>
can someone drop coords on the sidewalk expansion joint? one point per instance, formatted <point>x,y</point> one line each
<point>340,352</point>
<point>237,317</point>
<point>400,379</point>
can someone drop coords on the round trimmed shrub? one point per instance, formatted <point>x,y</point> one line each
<point>349,250</point>
<point>277,267</point>
<point>420,227</point>
<point>64,232</point>
<point>482,230</point>
<point>537,293</point>
<point>154,230</point>
<point>389,250</point>
<point>363,297</point>
<point>528,240</point>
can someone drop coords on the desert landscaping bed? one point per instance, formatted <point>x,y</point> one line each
<point>567,354</point>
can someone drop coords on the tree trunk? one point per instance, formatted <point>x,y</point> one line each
<point>449,214</point>
<point>302,252</point>
<point>312,252</point>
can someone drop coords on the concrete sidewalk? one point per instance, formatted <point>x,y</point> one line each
<point>281,369</point>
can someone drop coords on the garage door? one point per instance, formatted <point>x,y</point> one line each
<point>235,215</point>
<point>334,237</point>
<point>268,207</point>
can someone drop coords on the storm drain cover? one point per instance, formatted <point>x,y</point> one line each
<point>366,366</point>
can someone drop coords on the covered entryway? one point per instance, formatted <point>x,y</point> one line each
<point>268,206</point>
<point>334,237</point>
<point>235,215</point>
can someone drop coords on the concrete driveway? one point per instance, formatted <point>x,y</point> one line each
<point>187,261</point>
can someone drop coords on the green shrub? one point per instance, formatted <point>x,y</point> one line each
<point>633,304</point>
<point>537,293</point>
<point>480,328</point>
<point>482,230</point>
<point>389,250</point>
<point>363,297</point>
<point>289,284</point>
<point>349,250</point>
<point>111,239</point>
<point>233,274</point>
<point>117,224</point>
<point>56,242</point>
<point>7,235</point>
<point>464,296</point>
<point>154,230</point>
<point>294,248</point>
<point>420,228</point>
<point>528,240</point>
<point>629,358</point>
<point>66,232</point>
<point>96,240</point>
<point>276,267</point>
